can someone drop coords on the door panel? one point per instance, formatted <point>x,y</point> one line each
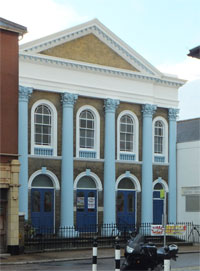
<point>158,205</point>
<point>126,209</point>
<point>86,210</point>
<point>42,208</point>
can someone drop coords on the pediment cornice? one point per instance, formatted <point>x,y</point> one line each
<point>101,32</point>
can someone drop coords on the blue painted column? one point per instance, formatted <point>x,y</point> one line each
<point>67,171</point>
<point>172,114</point>
<point>24,95</point>
<point>147,167</point>
<point>109,162</point>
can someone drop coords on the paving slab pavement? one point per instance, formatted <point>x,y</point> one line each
<point>73,254</point>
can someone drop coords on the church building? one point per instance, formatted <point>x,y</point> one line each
<point>97,131</point>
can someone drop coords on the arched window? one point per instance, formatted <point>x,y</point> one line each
<point>158,137</point>
<point>87,133</point>
<point>42,125</point>
<point>127,136</point>
<point>43,129</point>
<point>126,133</point>
<point>160,140</point>
<point>86,129</point>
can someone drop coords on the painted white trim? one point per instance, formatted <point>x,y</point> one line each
<point>96,130</point>
<point>85,83</point>
<point>163,183</point>
<point>135,133</point>
<point>54,125</point>
<point>82,66</point>
<point>133,178</point>
<point>94,177</point>
<point>50,174</point>
<point>165,139</point>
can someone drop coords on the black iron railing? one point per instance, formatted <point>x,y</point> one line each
<point>40,239</point>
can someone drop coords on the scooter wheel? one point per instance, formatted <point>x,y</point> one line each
<point>124,266</point>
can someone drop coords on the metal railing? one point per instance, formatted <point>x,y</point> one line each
<point>42,239</point>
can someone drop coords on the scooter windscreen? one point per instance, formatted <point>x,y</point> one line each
<point>134,243</point>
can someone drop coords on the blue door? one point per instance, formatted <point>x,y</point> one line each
<point>158,207</point>
<point>86,210</point>
<point>42,209</point>
<point>126,209</point>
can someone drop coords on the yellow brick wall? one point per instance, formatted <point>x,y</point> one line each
<point>9,178</point>
<point>89,49</point>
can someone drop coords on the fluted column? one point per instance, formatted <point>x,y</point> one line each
<point>147,168</point>
<point>109,162</point>
<point>172,114</point>
<point>67,175</point>
<point>24,95</point>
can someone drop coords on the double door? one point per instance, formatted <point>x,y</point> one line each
<point>126,209</point>
<point>42,209</point>
<point>86,210</point>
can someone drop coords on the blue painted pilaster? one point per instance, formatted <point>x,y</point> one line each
<point>147,168</point>
<point>172,114</point>
<point>67,175</point>
<point>24,95</point>
<point>109,162</point>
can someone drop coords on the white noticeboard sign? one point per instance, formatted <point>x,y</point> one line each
<point>91,202</point>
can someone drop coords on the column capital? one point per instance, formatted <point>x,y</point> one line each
<point>68,99</point>
<point>25,93</point>
<point>148,110</point>
<point>173,113</point>
<point>111,105</point>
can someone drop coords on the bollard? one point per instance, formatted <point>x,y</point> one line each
<point>166,265</point>
<point>94,255</point>
<point>117,255</point>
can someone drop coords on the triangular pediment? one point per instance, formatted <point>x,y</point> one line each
<point>93,43</point>
<point>91,50</point>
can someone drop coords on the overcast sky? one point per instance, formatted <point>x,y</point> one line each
<point>162,31</point>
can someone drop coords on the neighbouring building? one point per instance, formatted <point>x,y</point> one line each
<point>97,131</point>
<point>9,163</point>
<point>188,170</point>
<point>195,52</point>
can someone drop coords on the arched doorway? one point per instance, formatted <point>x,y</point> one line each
<point>42,202</point>
<point>42,185</point>
<point>87,185</point>
<point>158,201</point>
<point>126,200</point>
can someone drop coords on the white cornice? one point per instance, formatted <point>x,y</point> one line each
<point>81,66</point>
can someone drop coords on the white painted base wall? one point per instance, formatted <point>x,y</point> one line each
<point>188,175</point>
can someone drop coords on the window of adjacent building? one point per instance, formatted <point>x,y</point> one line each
<point>160,140</point>
<point>43,129</point>
<point>87,133</point>
<point>192,203</point>
<point>127,136</point>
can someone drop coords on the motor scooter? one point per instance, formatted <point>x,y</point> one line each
<point>140,255</point>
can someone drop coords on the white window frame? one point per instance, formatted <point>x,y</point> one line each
<point>135,134</point>
<point>165,138</point>
<point>53,110</point>
<point>96,131</point>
